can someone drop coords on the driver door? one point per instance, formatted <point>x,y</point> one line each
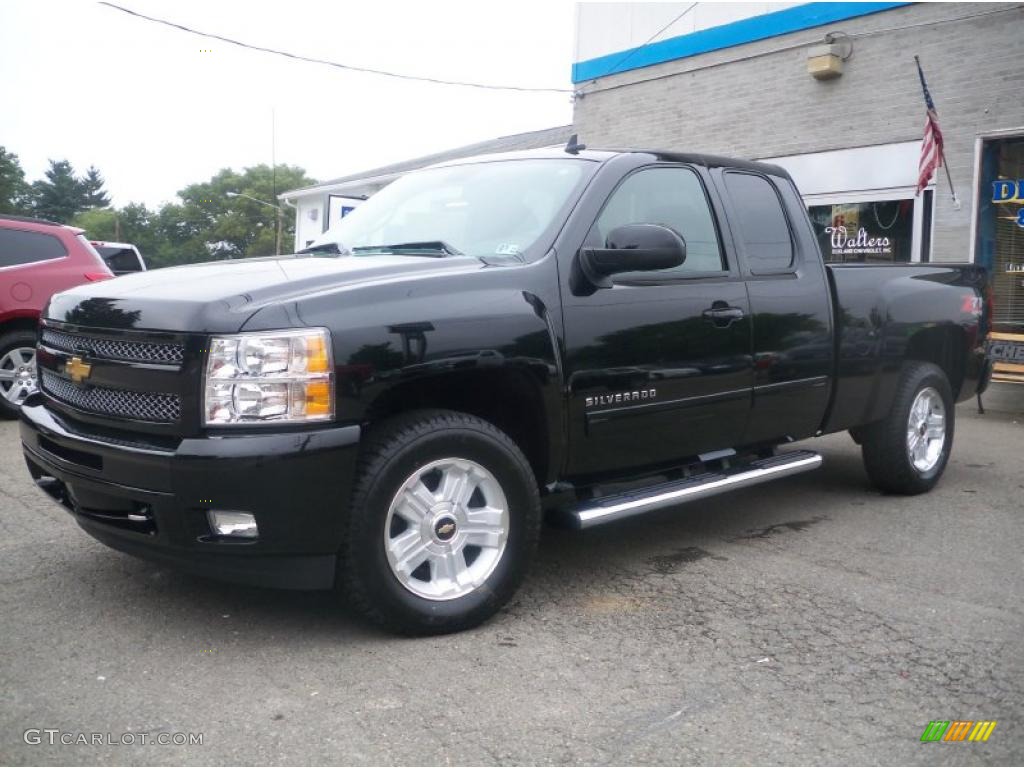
<point>659,365</point>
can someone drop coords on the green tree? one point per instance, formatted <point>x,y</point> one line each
<point>239,226</point>
<point>93,194</point>
<point>98,223</point>
<point>14,192</point>
<point>59,196</point>
<point>134,223</point>
<point>206,224</point>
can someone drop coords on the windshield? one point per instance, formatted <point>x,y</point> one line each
<point>480,209</point>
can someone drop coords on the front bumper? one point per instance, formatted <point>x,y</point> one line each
<point>150,499</point>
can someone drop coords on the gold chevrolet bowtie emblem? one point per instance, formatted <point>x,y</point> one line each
<point>77,369</point>
<point>446,530</point>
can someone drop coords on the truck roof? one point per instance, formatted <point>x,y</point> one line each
<point>603,155</point>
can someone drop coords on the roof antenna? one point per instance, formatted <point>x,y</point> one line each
<point>573,148</point>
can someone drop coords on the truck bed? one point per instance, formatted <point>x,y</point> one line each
<point>878,308</point>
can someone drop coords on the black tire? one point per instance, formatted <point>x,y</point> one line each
<point>10,341</point>
<point>884,445</point>
<point>395,450</point>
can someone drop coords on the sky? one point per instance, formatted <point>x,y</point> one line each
<point>156,109</point>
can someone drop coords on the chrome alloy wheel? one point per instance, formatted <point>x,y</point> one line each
<point>446,529</point>
<point>18,375</point>
<point>926,430</point>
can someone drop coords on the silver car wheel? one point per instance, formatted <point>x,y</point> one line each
<point>926,430</point>
<point>18,377</point>
<point>446,529</point>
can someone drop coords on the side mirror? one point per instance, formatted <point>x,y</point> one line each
<point>633,248</point>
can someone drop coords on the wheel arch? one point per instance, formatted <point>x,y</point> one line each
<point>19,323</point>
<point>513,400</point>
<point>943,346</point>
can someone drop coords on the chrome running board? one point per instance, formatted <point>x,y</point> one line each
<point>635,502</point>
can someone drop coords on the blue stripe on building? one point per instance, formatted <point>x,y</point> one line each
<point>725,36</point>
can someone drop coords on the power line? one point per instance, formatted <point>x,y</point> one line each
<point>337,65</point>
<point>632,53</point>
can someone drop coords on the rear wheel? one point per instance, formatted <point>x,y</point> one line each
<point>18,377</point>
<point>907,452</point>
<point>444,522</point>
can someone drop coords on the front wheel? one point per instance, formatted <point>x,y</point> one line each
<point>444,522</point>
<point>907,452</point>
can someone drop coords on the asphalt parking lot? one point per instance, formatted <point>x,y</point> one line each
<point>808,621</point>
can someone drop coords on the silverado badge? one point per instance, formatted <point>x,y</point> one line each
<point>77,369</point>
<point>621,397</point>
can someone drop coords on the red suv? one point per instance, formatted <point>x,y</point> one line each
<point>37,259</point>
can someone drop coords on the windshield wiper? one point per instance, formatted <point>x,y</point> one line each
<point>420,248</point>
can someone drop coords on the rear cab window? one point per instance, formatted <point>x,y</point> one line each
<point>762,227</point>
<point>117,258</point>
<point>19,247</point>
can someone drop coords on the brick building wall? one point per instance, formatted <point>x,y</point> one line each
<point>757,100</point>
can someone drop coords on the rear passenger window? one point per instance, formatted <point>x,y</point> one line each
<point>762,222</point>
<point>20,247</point>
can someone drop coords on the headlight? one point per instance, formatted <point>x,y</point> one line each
<point>281,376</point>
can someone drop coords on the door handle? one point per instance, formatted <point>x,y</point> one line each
<point>722,315</point>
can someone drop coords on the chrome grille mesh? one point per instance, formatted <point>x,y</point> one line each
<point>116,349</point>
<point>145,406</point>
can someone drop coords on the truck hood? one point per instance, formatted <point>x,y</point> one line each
<point>220,296</point>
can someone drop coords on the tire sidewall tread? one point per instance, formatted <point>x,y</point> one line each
<point>393,450</point>
<point>884,444</point>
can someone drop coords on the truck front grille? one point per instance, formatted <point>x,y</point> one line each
<point>156,407</point>
<point>115,349</point>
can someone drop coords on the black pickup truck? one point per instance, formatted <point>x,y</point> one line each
<point>588,334</point>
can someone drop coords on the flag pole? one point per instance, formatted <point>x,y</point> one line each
<point>952,192</point>
<point>942,146</point>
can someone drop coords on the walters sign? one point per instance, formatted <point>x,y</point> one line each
<point>854,232</point>
<point>845,243</point>
<point>869,231</point>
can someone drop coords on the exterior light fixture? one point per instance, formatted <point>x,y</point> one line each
<point>825,61</point>
<point>237,525</point>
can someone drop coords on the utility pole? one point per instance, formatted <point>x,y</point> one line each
<point>273,174</point>
<point>278,208</point>
<point>280,222</point>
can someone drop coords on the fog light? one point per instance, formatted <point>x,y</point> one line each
<point>238,525</point>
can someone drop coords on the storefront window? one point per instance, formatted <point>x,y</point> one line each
<point>870,231</point>
<point>1001,229</point>
<point>1000,248</point>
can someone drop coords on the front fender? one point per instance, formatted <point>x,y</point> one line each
<point>445,337</point>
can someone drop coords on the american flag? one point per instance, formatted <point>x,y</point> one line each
<point>931,145</point>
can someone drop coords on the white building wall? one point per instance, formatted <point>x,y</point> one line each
<point>308,220</point>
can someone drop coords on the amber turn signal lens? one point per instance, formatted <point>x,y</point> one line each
<point>317,359</point>
<point>318,398</point>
